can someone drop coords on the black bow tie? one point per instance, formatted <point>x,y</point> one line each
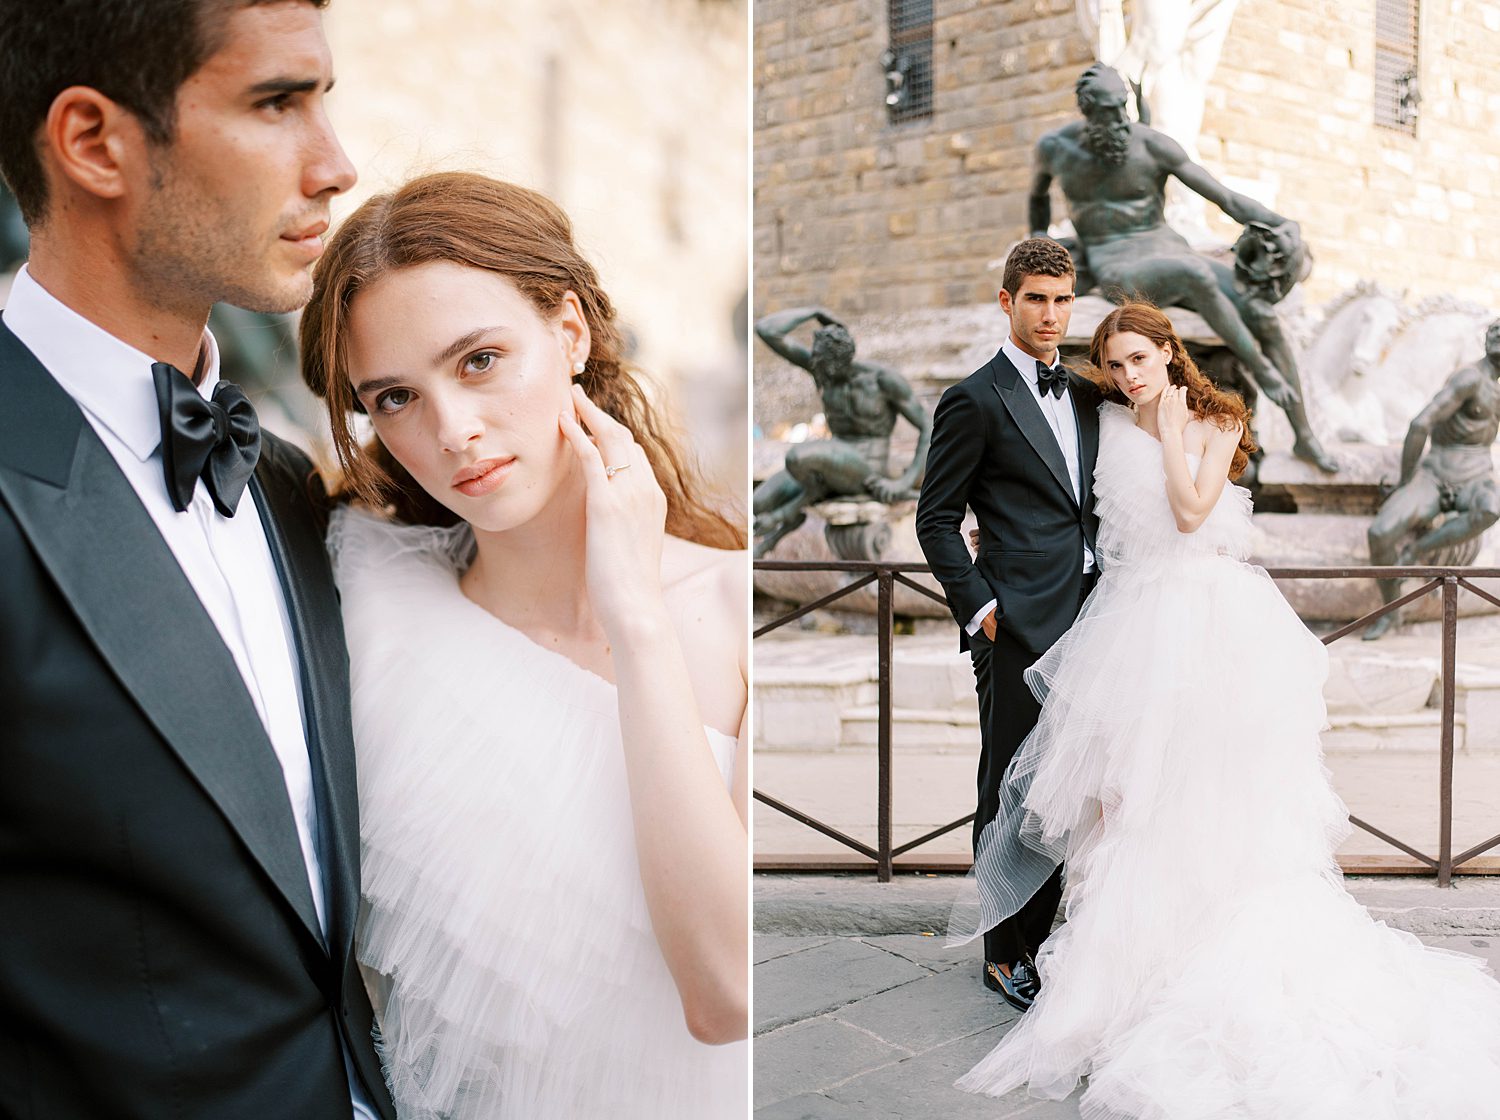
<point>217,440</point>
<point>1049,379</point>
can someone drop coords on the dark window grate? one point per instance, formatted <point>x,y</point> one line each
<point>1396,94</point>
<point>908,61</point>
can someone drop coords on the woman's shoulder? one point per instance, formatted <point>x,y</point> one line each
<point>708,595</point>
<point>695,570</point>
<point>1215,429</point>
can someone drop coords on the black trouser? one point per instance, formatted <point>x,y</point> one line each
<point>1007,713</point>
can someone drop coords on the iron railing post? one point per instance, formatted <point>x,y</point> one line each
<point>886,575</point>
<point>886,627</point>
<point>1445,764</point>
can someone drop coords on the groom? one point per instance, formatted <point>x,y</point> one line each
<point>179,841</point>
<point>1015,442</point>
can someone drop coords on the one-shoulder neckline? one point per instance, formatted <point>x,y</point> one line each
<point>454,536</point>
<point>1127,417</point>
<point>567,663</point>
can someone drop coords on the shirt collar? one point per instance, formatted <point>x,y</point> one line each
<point>1023,361</point>
<point>110,379</point>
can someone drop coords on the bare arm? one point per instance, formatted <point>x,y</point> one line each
<point>1193,498</point>
<point>1195,177</point>
<point>899,392</point>
<point>1039,202</point>
<point>690,834</point>
<point>773,330</point>
<point>1454,394</point>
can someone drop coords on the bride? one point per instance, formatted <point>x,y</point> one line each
<point>546,629</point>
<point>1212,966</point>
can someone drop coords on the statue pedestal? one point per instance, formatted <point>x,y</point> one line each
<point>860,528</point>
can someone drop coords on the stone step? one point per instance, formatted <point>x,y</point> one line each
<point>814,696</point>
<point>1419,732</point>
<point>800,700</point>
<point>1478,702</point>
<point>914,730</point>
<point>955,731</point>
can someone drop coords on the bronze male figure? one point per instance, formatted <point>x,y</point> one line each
<point>861,402</point>
<point>1113,172</point>
<point>1457,476</point>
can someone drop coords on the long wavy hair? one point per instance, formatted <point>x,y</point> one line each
<point>1219,407</point>
<point>468,219</point>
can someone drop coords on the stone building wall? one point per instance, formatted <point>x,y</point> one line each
<point>1289,119</point>
<point>871,218</point>
<point>865,216</point>
<point>632,116</point>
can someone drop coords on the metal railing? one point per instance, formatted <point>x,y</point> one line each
<point>883,855</point>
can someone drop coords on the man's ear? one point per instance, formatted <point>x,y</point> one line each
<point>92,141</point>
<point>1004,298</point>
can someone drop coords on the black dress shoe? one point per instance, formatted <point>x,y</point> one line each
<point>1020,988</point>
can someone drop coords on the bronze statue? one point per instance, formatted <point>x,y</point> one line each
<point>1114,174</point>
<point>1456,477</point>
<point>861,401</point>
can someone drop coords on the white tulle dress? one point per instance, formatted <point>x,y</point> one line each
<point>504,918</point>
<point>1211,967</point>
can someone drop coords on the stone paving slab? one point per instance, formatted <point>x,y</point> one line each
<point>927,1013</point>
<point>894,1053</point>
<point>784,946</point>
<point>825,977</point>
<point>816,1055</point>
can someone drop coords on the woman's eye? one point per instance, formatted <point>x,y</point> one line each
<point>393,400</point>
<point>482,362</point>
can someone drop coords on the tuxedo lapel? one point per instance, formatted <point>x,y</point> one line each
<point>1027,414</point>
<point>110,563</point>
<point>317,624</point>
<point>1088,439</point>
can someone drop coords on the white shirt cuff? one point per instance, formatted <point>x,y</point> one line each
<point>974,623</point>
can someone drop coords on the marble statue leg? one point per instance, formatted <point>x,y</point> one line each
<point>1267,327</point>
<point>778,503</point>
<point>815,471</point>
<point>1190,281</point>
<point>1478,508</point>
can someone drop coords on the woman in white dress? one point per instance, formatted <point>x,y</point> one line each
<point>546,630</point>
<point>1212,967</point>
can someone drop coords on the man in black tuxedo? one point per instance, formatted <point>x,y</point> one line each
<point>1016,442</point>
<point>179,840</point>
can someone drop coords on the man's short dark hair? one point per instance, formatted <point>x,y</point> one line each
<point>1036,256</point>
<point>135,52</point>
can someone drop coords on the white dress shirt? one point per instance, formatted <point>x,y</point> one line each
<point>227,560</point>
<point>1063,420</point>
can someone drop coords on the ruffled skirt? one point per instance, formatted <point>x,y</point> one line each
<point>1212,967</point>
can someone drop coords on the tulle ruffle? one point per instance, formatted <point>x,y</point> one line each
<point>504,916</point>
<point>1211,967</point>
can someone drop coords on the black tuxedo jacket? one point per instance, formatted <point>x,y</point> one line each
<point>159,952</point>
<point>993,451</point>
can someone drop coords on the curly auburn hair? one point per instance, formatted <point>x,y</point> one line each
<point>1224,410</point>
<point>472,220</point>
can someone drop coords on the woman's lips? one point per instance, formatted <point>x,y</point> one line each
<point>483,477</point>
